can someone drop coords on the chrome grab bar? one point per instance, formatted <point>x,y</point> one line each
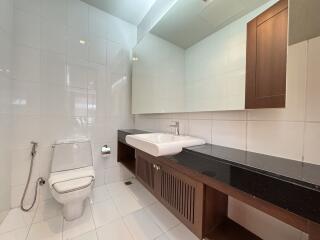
<point>76,189</point>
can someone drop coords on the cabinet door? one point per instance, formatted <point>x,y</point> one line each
<point>183,196</point>
<point>145,170</point>
<point>267,58</point>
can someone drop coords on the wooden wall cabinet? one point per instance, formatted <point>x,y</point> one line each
<point>267,58</point>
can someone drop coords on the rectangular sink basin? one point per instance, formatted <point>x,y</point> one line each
<point>161,144</point>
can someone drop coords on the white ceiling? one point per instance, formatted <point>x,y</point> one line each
<point>189,21</point>
<point>131,11</point>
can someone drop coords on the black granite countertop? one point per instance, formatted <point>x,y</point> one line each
<point>305,174</point>
<point>289,184</point>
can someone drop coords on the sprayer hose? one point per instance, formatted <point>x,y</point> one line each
<point>27,186</point>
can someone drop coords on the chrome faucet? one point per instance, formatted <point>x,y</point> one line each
<point>176,127</point>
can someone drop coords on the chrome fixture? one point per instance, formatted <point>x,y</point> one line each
<point>40,181</point>
<point>156,167</point>
<point>176,127</point>
<point>105,150</point>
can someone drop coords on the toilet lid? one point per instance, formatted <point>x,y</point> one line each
<point>71,180</point>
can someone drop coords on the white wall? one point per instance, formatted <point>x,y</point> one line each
<point>158,74</point>
<point>63,88</point>
<point>293,132</point>
<point>5,104</point>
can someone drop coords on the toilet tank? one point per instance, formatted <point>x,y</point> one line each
<point>71,154</point>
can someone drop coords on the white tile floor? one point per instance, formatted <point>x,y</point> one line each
<point>114,212</point>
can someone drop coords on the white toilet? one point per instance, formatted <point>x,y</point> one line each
<point>72,175</point>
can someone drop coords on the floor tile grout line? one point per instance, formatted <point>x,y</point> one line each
<point>94,222</point>
<point>127,227</point>
<point>62,228</point>
<point>131,213</point>
<point>152,219</point>
<point>26,225</point>
<point>170,228</point>
<point>33,217</point>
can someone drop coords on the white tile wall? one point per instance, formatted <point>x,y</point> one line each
<point>6,11</point>
<point>229,133</point>
<point>312,143</point>
<point>159,76</point>
<point>27,28</point>
<point>292,132</point>
<point>313,84</point>
<point>69,75</point>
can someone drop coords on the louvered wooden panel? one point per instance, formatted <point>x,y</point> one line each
<point>146,172</point>
<point>179,194</point>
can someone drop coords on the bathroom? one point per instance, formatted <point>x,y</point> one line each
<point>141,119</point>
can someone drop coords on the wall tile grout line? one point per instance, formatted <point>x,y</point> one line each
<point>306,102</point>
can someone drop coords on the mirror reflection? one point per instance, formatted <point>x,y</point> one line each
<point>194,58</point>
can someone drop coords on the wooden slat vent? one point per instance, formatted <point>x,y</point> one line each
<point>179,195</point>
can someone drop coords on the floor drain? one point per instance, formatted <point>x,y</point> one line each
<point>128,183</point>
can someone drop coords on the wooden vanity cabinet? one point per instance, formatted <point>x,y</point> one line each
<point>267,58</point>
<point>204,210</point>
<point>146,171</point>
<point>126,156</point>
<point>182,195</point>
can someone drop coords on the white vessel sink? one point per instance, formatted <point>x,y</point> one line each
<point>161,144</point>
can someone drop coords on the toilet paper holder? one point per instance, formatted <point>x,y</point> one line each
<point>105,150</point>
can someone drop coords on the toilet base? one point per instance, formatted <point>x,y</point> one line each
<point>73,210</point>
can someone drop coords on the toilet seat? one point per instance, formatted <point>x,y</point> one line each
<point>72,175</point>
<point>72,180</point>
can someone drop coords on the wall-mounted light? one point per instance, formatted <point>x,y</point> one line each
<point>83,42</point>
<point>135,59</point>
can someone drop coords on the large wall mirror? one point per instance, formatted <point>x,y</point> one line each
<point>194,58</point>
